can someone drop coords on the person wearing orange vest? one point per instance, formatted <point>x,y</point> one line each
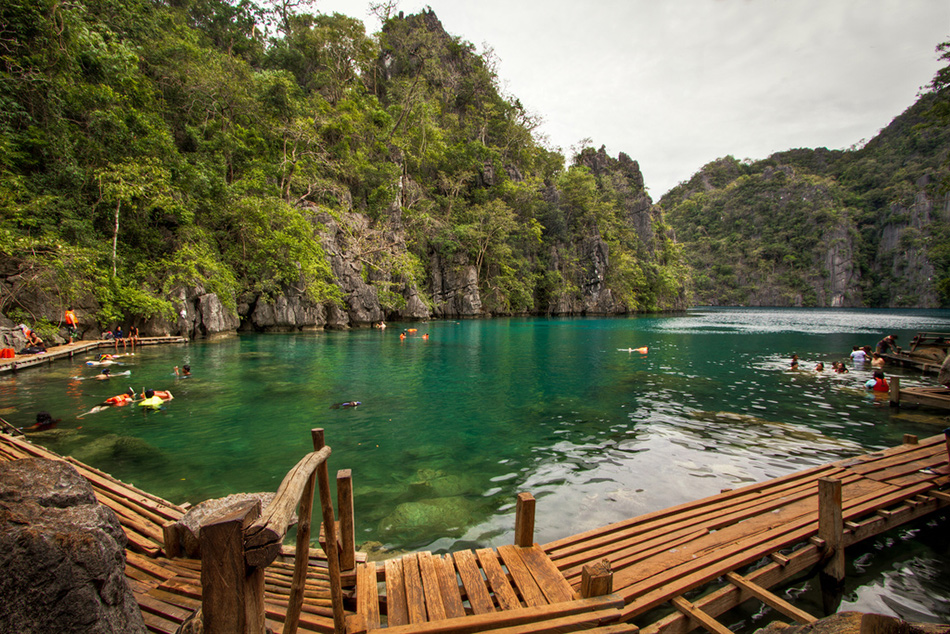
<point>72,324</point>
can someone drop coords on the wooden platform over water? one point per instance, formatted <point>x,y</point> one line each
<point>68,351</point>
<point>719,552</point>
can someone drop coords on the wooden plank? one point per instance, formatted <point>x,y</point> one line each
<point>770,599</point>
<point>472,581</point>
<point>397,610</point>
<point>707,558</point>
<point>524,581</point>
<point>448,582</point>
<point>367,595</point>
<point>524,520</point>
<point>431,587</point>
<point>714,516</point>
<point>552,583</point>
<point>602,609</point>
<point>708,622</point>
<point>415,594</point>
<point>497,579</point>
<point>557,548</point>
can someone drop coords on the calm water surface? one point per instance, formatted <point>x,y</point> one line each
<point>451,428</point>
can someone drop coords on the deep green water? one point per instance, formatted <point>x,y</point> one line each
<point>451,428</point>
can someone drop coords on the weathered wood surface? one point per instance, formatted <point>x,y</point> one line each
<point>655,558</point>
<point>659,556</point>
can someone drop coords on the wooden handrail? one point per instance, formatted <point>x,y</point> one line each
<point>263,539</point>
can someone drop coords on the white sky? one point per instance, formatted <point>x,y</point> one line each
<point>676,84</point>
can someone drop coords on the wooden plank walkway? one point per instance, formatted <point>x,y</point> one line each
<point>660,556</point>
<point>68,351</point>
<point>722,550</point>
<point>169,590</point>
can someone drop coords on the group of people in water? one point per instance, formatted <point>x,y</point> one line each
<point>861,356</point>
<point>149,399</point>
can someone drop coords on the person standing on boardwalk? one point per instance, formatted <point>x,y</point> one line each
<point>72,324</point>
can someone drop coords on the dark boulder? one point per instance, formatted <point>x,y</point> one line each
<point>62,553</point>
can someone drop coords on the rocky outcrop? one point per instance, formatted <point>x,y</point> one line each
<point>454,287</point>
<point>62,554</point>
<point>902,253</point>
<point>198,313</point>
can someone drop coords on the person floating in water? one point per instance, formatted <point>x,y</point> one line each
<point>119,400</point>
<point>43,422</point>
<point>162,394</point>
<point>346,404</point>
<point>794,364</point>
<point>840,367</point>
<point>819,367</point>
<point>185,371</point>
<point>152,401</point>
<point>105,374</point>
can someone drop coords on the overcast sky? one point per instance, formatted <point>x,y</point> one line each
<point>676,84</point>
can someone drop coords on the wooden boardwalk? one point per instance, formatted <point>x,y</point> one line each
<point>719,551</point>
<point>658,557</point>
<point>68,351</point>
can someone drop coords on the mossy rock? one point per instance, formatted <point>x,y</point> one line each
<point>446,516</point>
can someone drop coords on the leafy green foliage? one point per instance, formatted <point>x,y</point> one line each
<point>146,146</point>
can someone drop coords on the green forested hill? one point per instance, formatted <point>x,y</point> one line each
<point>863,227</point>
<point>155,154</point>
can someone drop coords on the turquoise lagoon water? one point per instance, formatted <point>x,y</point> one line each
<point>451,428</point>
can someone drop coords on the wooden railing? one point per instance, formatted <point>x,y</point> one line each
<point>236,548</point>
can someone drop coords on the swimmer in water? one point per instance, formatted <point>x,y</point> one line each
<point>346,404</point>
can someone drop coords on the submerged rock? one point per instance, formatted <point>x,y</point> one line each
<point>446,516</point>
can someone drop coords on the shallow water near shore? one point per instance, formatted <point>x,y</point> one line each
<point>451,428</point>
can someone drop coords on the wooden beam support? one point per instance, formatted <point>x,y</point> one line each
<point>770,599</point>
<point>597,579</point>
<point>894,391</point>
<point>708,622</point>
<point>329,523</point>
<point>831,525</point>
<point>524,520</point>
<point>344,502</point>
<point>910,439</point>
<point>232,593</point>
<point>940,495</point>
<point>301,553</point>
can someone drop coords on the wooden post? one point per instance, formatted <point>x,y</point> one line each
<point>344,497</point>
<point>301,554</point>
<point>831,525</point>
<point>524,520</point>
<point>232,593</point>
<point>597,579</point>
<point>329,528</point>
<point>946,437</point>
<point>894,391</point>
<point>910,439</point>
<point>171,536</point>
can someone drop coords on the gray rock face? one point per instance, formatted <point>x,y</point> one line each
<point>62,553</point>
<point>455,287</point>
